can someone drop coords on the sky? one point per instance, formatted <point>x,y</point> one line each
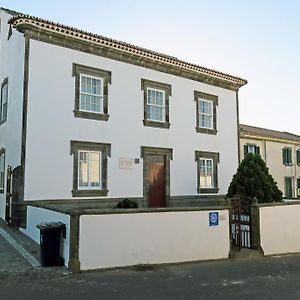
<point>258,40</point>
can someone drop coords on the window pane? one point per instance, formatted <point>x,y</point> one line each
<point>83,169</point>
<point>95,169</point>
<point>205,121</point>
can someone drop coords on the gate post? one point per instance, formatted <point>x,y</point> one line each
<point>255,230</point>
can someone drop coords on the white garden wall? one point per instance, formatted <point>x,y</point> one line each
<point>113,240</point>
<point>36,215</point>
<point>280,229</point>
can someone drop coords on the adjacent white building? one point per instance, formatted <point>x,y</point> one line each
<point>88,117</point>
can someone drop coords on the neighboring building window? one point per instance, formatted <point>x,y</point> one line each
<point>156,103</point>
<point>206,112</point>
<point>288,187</point>
<point>287,156</point>
<point>90,168</point>
<point>298,156</point>
<point>298,187</point>
<point>4,101</point>
<point>2,170</point>
<point>91,92</point>
<point>249,148</point>
<point>207,165</point>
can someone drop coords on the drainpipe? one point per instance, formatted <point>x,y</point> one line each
<point>238,124</point>
<point>265,151</point>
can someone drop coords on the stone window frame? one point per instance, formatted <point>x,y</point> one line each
<point>215,156</point>
<point>168,154</point>
<point>4,82</point>
<point>208,97</point>
<point>167,89</point>
<point>105,75</point>
<point>105,150</point>
<point>284,156</point>
<point>2,152</point>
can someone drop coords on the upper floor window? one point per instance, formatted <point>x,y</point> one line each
<point>206,112</point>
<point>89,168</point>
<point>2,170</point>
<point>250,148</point>
<point>4,101</point>
<point>207,171</point>
<point>156,103</point>
<point>287,156</point>
<point>91,92</point>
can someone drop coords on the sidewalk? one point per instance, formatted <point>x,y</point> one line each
<point>17,250</point>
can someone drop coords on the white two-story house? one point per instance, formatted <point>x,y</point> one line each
<point>85,117</point>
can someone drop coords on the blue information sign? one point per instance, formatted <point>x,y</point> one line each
<point>213,218</point>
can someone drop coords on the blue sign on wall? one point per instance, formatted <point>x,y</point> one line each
<point>213,218</point>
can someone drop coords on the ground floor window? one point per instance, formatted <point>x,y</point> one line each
<point>288,187</point>
<point>207,171</point>
<point>89,168</point>
<point>2,170</point>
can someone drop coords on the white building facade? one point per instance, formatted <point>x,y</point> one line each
<point>87,117</point>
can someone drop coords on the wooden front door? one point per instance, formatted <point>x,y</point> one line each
<point>156,181</point>
<point>8,195</point>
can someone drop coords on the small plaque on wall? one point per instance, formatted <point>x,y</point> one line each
<point>125,163</point>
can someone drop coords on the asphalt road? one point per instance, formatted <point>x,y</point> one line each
<point>261,278</point>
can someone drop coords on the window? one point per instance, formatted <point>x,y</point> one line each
<point>2,170</point>
<point>89,168</point>
<point>207,165</point>
<point>4,101</point>
<point>287,156</point>
<point>91,92</point>
<point>298,156</point>
<point>156,103</point>
<point>249,148</point>
<point>206,112</point>
<point>288,187</point>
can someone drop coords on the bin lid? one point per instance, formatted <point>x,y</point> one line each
<point>50,225</point>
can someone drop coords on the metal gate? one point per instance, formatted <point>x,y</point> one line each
<point>241,223</point>
<point>8,194</point>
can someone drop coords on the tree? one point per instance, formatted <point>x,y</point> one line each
<point>252,179</point>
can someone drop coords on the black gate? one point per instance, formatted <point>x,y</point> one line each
<point>8,194</point>
<point>241,223</point>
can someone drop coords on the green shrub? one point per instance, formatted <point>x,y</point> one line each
<point>252,179</point>
<point>127,203</point>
